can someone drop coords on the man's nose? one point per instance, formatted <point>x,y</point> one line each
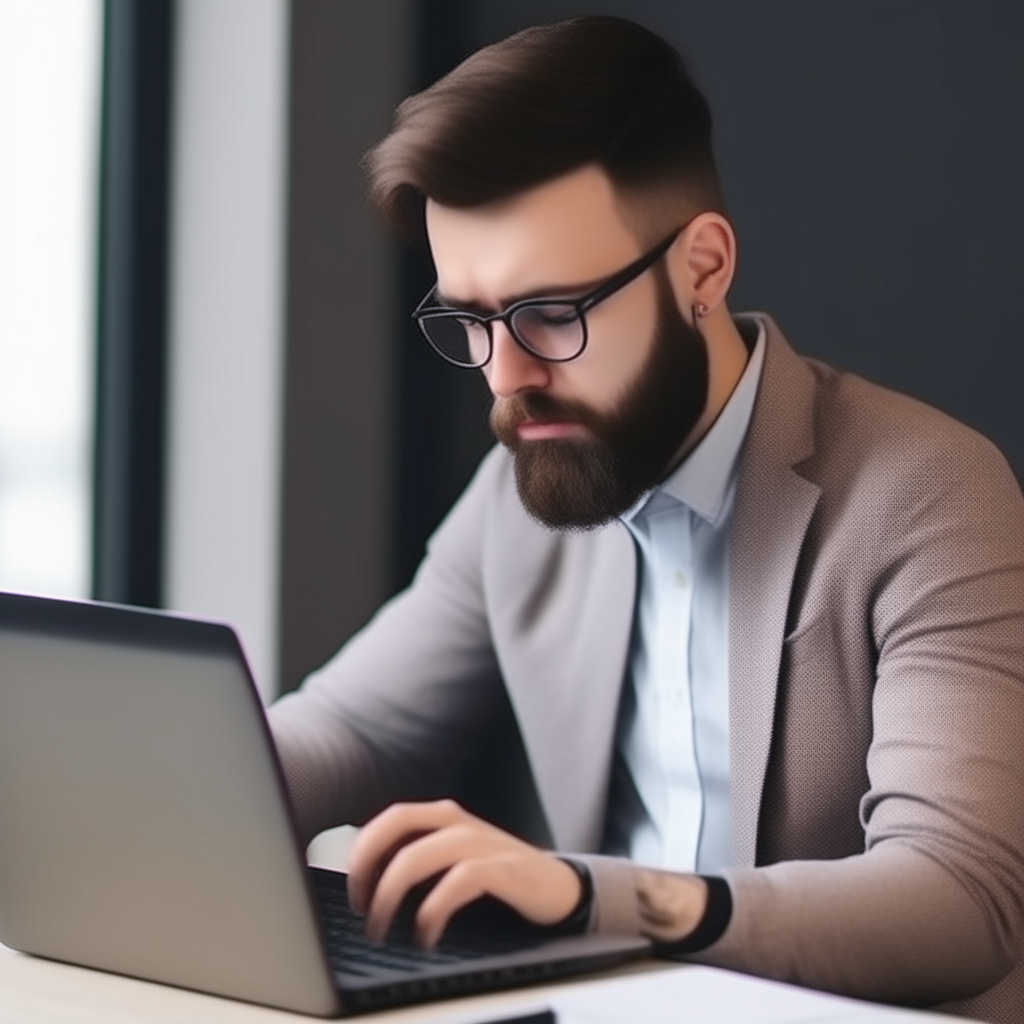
<point>512,368</point>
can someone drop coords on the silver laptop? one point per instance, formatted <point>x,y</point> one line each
<point>145,829</point>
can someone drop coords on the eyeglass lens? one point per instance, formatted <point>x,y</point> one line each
<point>552,331</point>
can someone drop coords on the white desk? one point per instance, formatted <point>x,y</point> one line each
<point>34,991</point>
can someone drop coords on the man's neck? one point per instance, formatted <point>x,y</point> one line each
<point>727,359</point>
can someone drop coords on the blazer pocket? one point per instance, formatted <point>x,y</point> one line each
<point>807,641</point>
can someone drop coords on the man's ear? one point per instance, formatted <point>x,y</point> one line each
<point>702,262</point>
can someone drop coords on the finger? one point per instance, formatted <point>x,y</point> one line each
<point>426,858</point>
<point>380,838</point>
<point>538,886</point>
<point>363,884</point>
<point>467,881</point>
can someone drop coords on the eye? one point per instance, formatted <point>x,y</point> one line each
<point>558,317</point>
<point>549,317</point>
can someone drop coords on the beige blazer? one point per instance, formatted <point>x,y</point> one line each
<point>876,659</point>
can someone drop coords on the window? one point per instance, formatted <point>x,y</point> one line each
<point>50,66</point>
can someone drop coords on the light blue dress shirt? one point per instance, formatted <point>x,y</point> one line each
<point>669,799</point>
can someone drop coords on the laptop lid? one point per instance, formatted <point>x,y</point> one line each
<point>144,826</point>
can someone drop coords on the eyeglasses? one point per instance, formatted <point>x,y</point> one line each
<point>552,329</point>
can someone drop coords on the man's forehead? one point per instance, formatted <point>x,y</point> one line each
<point>566,232</point>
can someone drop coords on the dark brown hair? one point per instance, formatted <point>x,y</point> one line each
<point>544,102</point>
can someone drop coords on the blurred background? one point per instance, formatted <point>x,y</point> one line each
<point>211,396</point>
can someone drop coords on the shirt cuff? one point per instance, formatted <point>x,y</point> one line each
<point>712,925</point>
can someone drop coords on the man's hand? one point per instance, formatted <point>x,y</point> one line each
<point>410,843</point>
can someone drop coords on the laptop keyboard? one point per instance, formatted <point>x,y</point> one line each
<point>482,930</point>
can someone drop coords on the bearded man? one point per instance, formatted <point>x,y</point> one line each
<point>759,623</point>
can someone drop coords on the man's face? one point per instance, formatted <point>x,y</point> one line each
<point>588,436</point>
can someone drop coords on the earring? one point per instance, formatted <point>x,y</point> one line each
<point>701,309</point>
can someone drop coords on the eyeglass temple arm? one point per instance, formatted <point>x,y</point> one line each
<point>619,280</point>
<point>627,274</point>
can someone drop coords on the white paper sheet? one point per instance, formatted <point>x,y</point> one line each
<point>707,995</point>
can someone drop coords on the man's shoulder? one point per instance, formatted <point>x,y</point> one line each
<point>878,433</point>
<point>883,463</point>
<point>901,479</point>
<point>847,398</point>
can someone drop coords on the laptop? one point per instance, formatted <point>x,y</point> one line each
<point>145,830</point>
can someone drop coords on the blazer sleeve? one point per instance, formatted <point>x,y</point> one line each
<point>405,702</point>
<point>933,908</point>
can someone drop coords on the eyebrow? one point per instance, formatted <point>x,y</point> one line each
<point>547,292</point>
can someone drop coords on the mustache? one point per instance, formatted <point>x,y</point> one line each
<point>508,413</point>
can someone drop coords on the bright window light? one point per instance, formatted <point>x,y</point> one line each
<point>50,64</point>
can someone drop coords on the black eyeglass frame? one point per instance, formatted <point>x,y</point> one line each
<point>581,304</point>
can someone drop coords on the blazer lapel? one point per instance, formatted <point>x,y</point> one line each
<point>563,642</point>
<point>564,670</point>
<point>773,509</point>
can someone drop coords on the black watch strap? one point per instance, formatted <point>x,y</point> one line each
<point>579,917</point>
<point>710,928</point>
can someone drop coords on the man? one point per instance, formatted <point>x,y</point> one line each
<point>760,623</point>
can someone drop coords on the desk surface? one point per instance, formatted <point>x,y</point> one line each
<point>35,991</point>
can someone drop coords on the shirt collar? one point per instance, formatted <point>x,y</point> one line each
<point>703,479</point>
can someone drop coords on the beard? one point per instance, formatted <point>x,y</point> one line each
<point>581,483</point>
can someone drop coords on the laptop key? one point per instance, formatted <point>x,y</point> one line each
<point>473,934</point>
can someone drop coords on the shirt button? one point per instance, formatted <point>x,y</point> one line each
<point>682,580</point>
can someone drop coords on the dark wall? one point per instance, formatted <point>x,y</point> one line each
<point>349,68</point>
<point>873,160</point>
<point>872,157</point>
<point>441,416</point>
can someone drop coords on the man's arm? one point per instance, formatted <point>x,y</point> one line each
<point>411,843</point>
<point>932,909</point>
<point>407,701</point>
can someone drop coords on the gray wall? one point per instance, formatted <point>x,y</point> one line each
<point>225,335</point>
<point>873,160</point>
<point>349,69</point>
<point>872,156</point>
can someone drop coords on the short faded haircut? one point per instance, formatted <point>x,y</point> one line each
<point>542,103</point>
